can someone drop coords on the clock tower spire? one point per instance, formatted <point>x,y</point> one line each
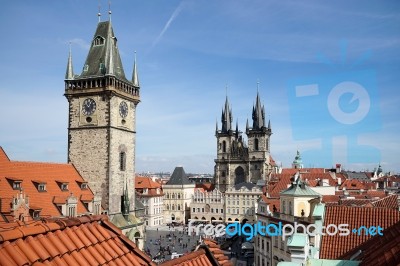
<point>102,121</point>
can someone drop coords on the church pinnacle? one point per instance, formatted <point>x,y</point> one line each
<point>226,117</point>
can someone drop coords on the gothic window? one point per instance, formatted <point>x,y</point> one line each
<point>256,144</point>
<point>224,146</point>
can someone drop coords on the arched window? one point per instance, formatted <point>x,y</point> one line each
<point>283,207</point>
<point>173,195</point>
<point>173,207</point>
<point>256,144</point>
<point>179,196</point>
<point>224,146</point>
<point>290,208</point>
<point>179,207</point>
<point>122,161</point>
<point>168,207</point>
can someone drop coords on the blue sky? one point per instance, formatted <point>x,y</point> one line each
<point>344,54</point>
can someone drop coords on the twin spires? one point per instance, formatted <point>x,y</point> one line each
<point>258,116</point>
<point>103,57</point>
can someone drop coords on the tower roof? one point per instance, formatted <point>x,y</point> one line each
<point>179,177</point>
<point>226,117</point>
<point>103,57</point>
<point>69,74</point>
<point>258,114</point>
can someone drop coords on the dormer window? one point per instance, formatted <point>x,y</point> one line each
<point>84,186</point>
<point>98,41</point>
<point>63,185</point>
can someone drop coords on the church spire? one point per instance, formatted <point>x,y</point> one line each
<point>125,200</point>
<point>226,118</point>
<point>135,77</point>
<point>258,114</point>
<point>70,71</point>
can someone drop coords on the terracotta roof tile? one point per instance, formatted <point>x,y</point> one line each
<point>332,247</point>
<point>33,172</point>
<point>68,242</point>
<point>353,184</point>
<point>379,250</point>
<point>207,254</point>
<point>390,202</point>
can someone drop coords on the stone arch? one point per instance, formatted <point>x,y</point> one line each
<point>239,175</point>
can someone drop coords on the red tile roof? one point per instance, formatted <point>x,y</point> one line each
<point>87,240</point>
<point>271,203</point>
<point>207,254</point>
<point>142,183</point>
<point>292,171</point>
<point>390,202</point>
<point>379,250</point>
<point>353,184</point>
<point>206,186</point>
<point>48,173</point>
<point>334,246</point>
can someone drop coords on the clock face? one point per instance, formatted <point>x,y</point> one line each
<point>123,109</point>
<point>89,106</point>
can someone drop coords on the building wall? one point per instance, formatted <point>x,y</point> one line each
<point>208,205</point>
<point>182,198</point>
<point>241,204</point>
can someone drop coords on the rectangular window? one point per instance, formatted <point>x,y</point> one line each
<point>194,209</point>
<point>122,161</point>
<point>41,187</point>
<point>16,185</point>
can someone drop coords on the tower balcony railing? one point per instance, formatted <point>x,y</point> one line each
<point>102,82</point>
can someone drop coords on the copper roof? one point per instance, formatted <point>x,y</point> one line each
<point>334,246</point>
<point>87,240</point>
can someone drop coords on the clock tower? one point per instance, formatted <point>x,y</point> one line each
<point>101,122</point>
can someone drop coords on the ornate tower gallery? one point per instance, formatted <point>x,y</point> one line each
<point>101,121</point>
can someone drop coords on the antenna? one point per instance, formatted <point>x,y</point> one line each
<point>109,10</point>
<point>99,14</point>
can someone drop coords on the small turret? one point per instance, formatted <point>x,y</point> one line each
<point>135,77</point>
<point>69,75</point>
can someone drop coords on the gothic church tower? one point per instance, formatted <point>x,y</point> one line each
<point>101,121</point>
<point>238,161</point>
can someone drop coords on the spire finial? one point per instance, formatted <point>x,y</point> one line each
<point>69,74</point>
<point>258,85</point>
<point>99,14</point>
<point>135,76</point>
<point>109,10</point>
